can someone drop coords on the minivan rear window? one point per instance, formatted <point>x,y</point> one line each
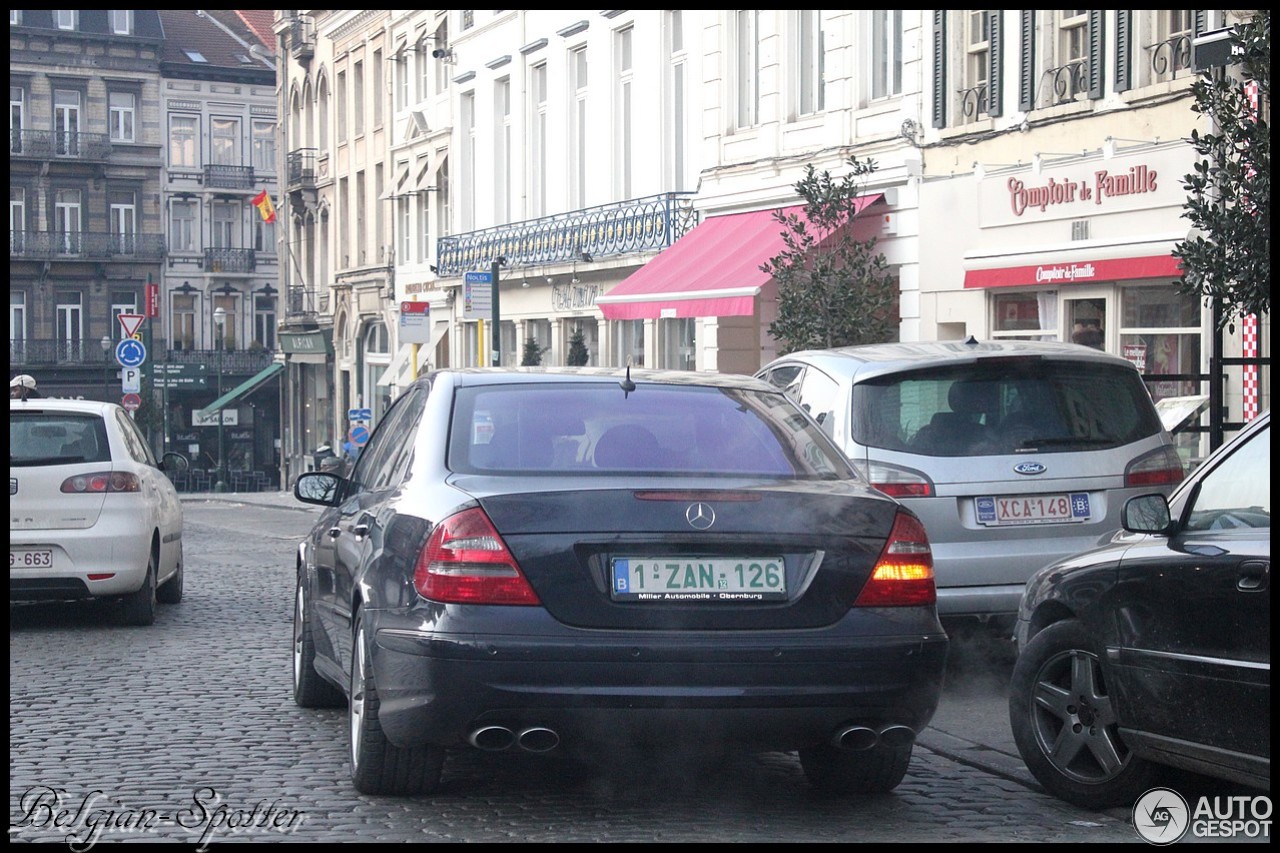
<point>1011,406</point>
<point>39,438</point>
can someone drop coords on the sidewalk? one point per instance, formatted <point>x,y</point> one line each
<point>278,500</point>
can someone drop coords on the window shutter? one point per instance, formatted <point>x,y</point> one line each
<point>940,68</point>
<point>995,99</point>
<point>1124,39</point>
<point>1201,21</point>
<point>1097,58</point>
<point>1027,61</point>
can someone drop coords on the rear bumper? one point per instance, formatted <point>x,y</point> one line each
<point>77,554</point>
<point>779,690</point>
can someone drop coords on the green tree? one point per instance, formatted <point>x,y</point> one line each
<point>833,289</point>
<point>578,355</point>
<point>1228,258</point>
<point>532,355</point>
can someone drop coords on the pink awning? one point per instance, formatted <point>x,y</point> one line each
<point>713,271</point>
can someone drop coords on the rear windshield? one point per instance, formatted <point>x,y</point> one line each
<point>588,428</point>
<point>56,438</point>
<point>1005,407</point>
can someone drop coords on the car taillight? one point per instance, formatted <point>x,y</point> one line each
<point>101,482</point>
<point>899,482</point>
<point>465,561</point>
<point>1161,467</point>
<point>903,576</point>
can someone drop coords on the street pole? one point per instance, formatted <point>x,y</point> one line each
<point>220,485</point>
<point>495,333</point>
<point>106,366</point>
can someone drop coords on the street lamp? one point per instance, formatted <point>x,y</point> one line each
<point>106,365</point>
<point>220,320</point>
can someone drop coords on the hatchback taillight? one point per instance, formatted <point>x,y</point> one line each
<point>465,561</point>
<point>101,482</point>
<point>899,482</point>
<point>1160,467</point>
<point>903,576</point>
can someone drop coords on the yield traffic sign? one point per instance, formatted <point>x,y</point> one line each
<point>131,323</point>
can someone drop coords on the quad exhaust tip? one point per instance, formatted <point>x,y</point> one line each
<point>498,738</point>
<point>858,738</point>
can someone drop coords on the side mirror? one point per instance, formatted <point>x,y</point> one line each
<point>1146,514</point>
<point>318,487</point>
<point>174,462</point>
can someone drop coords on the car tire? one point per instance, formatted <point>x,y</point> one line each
<point>877,770</point>
<point>139,608</point>
<point>1065,726</point>
<point>170,592</point>
<point>377,765</point>
<point>310,690</point>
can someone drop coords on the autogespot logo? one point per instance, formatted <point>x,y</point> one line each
<point>1161,817</point>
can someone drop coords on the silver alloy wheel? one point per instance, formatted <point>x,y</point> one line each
<point>1074,721</point>
<point>357,697</point>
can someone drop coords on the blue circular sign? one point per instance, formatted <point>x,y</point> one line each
<point>130,353</point>
<point>359,436</point>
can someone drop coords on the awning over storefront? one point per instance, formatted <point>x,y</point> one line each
<point>1079,264</point>
<point>240,390</point>
<point>713,271</point>
<point>399,372</point>
<point>398,367</point>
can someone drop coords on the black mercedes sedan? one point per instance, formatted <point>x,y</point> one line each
<point>577,560</point>
<point>1154,650</point>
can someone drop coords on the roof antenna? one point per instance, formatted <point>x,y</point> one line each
<point>627,385</point>
<point>971,340</point>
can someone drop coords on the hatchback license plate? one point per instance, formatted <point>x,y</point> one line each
<point>699,579</point>
<point>26,559</point>
<point>1032,509</point>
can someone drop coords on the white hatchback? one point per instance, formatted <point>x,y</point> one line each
<point>91,513</point>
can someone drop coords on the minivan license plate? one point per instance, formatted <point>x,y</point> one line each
<point>688,578</point>
<point>1032,509</point>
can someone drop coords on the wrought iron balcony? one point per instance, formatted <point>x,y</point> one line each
<point>1061,85</point>
<point>635,225</point>
<point>1170,58</point>
<point>219,177</point>
<point>85,245</point>
<point>86,352</point>
<point>300,169</point>
<point>233,360</point>
<point>973,102</point>
<point>230,260</point>
<point>299,302</point>
<point>59,145</point>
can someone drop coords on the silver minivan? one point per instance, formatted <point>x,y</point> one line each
<point>1014,453</point>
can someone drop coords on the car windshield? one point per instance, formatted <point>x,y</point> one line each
<point>1004,406</point>
<point>599,428</point>
<point>56,438</point>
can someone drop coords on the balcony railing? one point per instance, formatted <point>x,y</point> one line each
<point>85,245</point>
<point>219,177</point>
<point>86,352</point>
<point>300,169</point>
<point>300,302</point>
<point>1061,85</point>
<point>653,222</point>
<point>59,145</point>
<point>973,102</point>
<point>1170,58</point>
<point>230,260</point>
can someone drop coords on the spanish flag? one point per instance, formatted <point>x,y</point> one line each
<point>262,201</point>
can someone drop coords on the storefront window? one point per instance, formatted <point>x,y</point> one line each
<point>1026,316</point>
<point>629,343</point>
<point>1160,333</point>
<point>678,344</point>
<point>1087,319</point>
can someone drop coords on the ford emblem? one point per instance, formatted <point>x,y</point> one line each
<point>1028,468</point>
